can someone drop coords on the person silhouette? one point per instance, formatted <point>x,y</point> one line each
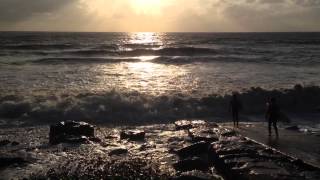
<point>235,107</point>
<point>272,115</point>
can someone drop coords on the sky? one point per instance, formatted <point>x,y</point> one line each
<point>160,15</point>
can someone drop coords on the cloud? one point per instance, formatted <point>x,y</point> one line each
<point>173,15</point>
<point>19,10</point>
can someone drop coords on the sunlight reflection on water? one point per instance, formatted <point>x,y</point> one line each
<point>145,77</point>
<point>145,38</point>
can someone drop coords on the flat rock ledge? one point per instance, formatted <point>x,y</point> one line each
<point>183,150</point>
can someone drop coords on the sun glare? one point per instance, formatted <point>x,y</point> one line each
<point>147,6</point>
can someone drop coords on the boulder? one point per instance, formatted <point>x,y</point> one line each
<point>200,134</point>
<point>183,125</point>
<point>4,142</point>
<point>228,133</point>
<point>118,151</point>
<point>70,132</point>
<point>194,149</point>
<point>8,161</point>
<point>7,142</point>
<point>136,135</point>
<point>190,164</point>
<point>14,143</point>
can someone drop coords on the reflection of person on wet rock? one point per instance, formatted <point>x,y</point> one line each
<point>272,115</point>
<point>235,107</point>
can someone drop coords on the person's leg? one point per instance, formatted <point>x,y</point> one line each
<point>269,127</point>
<point>237,118</point>
<point>234,118</point>
<point>275,127</point>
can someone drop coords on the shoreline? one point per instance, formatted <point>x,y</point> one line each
<point>158,150</point>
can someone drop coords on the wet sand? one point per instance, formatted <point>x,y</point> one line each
<point>304,146</point>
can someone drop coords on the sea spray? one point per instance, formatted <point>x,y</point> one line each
<point>135,108</point>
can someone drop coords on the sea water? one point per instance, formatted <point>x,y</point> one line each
<point>51,76</point>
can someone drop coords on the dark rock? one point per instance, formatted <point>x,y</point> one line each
<point>199,134</point>
<point>118,151</point>
<point>70,132</point>
<point>4,142</point>
<point>228,133</point>
<point>14,143</point>
<point>242,158</point>
<point>133,135</point>
<point>293,128</point>
<point>11,109</point>
<point>183,125</point>
<point>75,139</point>
<point>194,149</point>
<point>95,139</point>
<point>8,161</point>
<point>197,175</point>
<point>194,163</point>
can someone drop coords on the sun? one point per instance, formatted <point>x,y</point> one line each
<point>147,6</point>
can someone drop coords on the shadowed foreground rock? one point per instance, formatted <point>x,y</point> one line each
<point>199,150</point>
<point>71,132</point>
<point>133,135</point>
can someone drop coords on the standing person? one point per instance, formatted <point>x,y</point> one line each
<point>235,107</point>
<point>272,115</point>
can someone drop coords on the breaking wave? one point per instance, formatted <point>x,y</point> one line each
<point>82,60</point>
<point>134,108</point>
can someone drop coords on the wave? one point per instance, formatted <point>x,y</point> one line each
<point>38,46</point>
<point>63,50</point>
<point>142,46</point>
<point>82,60</point>
<point>130,108</point>
<point>183,51</point>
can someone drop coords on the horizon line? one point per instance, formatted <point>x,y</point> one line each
<point>43,31</point>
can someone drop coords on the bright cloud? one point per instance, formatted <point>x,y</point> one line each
<point>160,15</point>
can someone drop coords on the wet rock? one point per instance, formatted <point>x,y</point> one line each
<point>70,132</point>
<point>198,123</point>
<point>4,142</point>
<point>183,125</point>
<point>8,161</point>
<point>194,149</point>
<point>133,135</point>
<point>199,134</point>
<point>228,133</point>
<point>190,164</point>
<point>241,158</point>
<point>118,151</point>
<point>75,140</point>
<point>197,175</point>
<point>95,139</point>
<point>11,109</point>
<point>293,128</point>
<point>14,143</point>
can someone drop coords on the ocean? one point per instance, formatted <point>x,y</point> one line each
<point>153,77</point>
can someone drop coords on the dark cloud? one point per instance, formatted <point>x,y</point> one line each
<point>18,10</point>
<point>307,2</point>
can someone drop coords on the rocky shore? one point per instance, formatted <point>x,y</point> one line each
<point>183,150</point>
